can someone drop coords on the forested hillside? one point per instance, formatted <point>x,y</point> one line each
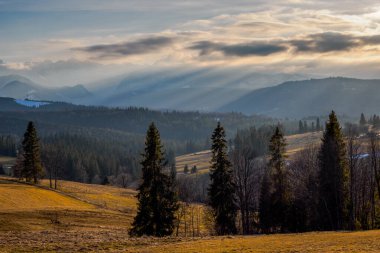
<point>89,144</point>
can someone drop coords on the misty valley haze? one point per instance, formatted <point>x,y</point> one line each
<point>214,91</point>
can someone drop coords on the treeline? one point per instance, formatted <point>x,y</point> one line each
<point>8,145</point>
<point>304,126</point>
<point>94,155</point>
<point>174,125</point>
<point>86,159</point>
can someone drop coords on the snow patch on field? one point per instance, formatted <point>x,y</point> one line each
<point>30,103</point>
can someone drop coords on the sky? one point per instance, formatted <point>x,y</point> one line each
<point>57,42</point>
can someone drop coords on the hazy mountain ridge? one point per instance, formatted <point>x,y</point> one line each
<point>19,87</point>
<point>207,90</point>
<point>203,89</point>
<point>311,97</point>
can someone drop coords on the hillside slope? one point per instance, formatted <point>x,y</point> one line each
<point>16,196</point>
<point>73,207</point>
<point>311,97</point>
<point>34,219</point>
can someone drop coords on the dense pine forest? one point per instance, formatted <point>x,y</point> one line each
<point>93,143</point>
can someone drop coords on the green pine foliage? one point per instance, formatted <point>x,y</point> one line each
<point>278,172</point>
<point>31,166</point>
<point>318,125</point>
<point>333,178</point>
<point>222,187</point>
<point>186,169</point>
<point>362,121</point>
<point>157,199</point>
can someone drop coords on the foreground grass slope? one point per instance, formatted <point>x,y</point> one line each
<point>21,197</point>
<point>118,241</point>
<point>107,197</point>
<point>93,218</point>
<point>36,208</point>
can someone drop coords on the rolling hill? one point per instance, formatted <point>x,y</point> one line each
<point>311,97</point>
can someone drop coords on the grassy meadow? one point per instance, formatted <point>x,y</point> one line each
<point>95,218</point>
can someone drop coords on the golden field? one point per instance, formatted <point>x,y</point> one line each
<point>94,218</point>
<point>202,159</point>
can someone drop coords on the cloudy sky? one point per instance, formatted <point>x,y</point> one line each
<point>80,41</point>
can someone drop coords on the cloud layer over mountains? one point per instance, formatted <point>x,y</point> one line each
<point>69,42</point>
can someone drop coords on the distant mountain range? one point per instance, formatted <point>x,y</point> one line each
<point>206,90</point>
<point>311,97</point>
<point>19,87</point>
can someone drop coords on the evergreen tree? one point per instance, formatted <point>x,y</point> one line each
<point>280,196</point>
<point>376,121</point>
<point>157,199</point>
<point>362,121</point>
<point>222,187</point>
<point>318,125</point>
<point>194,169</point>
<point>333,178</point>
<point>300,127</point>
<point>305,127</point>
<point>186,169</point>
<point>32,166</point>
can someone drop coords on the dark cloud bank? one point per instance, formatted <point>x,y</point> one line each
<point>141,46</point>
<point>315,43</point>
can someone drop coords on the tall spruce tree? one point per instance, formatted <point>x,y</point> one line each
<point>362,121</point>
<point>333,178</point>
<point>31,155</point>
<point>157,199</point>
<point>318,125</point>
<point>222,187</point>
<point>300,127</point>
<point>280,198</point>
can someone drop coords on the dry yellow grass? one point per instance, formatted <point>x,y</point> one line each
<point>35,219</point>
<point>118,241</point>
<point>22,197</point>
<point>367,241</point>
<point>297,142</point>
<point>200,159</point>
<point>27,208</point>
<point>109,197</point>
